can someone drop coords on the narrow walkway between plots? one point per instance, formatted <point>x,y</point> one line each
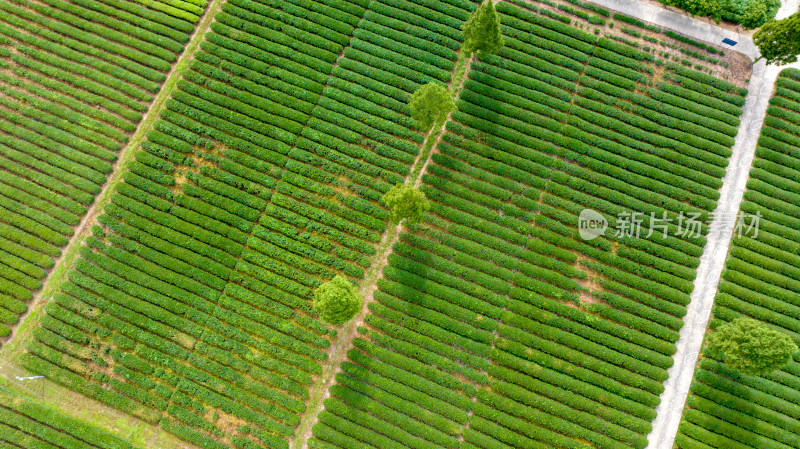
<point>344,339</point>
<point>12,344</point>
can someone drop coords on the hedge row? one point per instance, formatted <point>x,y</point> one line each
<point>530,17</point>
<point>117,83</point>
<point>689,103</point>
<point>52,106</point>
<point>681,162</point>
<point>701,98</point>
<point>645,130</point>
<point>654,107</point>
<point>92,94</point>
<point>117,18</point>
<point>155,57</point>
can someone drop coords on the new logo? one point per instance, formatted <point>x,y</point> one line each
<point>591,224</point>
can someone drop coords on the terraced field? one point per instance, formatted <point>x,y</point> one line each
<point>75,79</point>
<point>726,408</point>
<point>493,324</point>
<point>24,424</point>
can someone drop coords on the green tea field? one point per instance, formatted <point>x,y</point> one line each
<point>24,424</point>
<point>726,408</point>
<point>494,323</point>
<point>189,306</point>
<point>254,170</point>
<point>75,80</point>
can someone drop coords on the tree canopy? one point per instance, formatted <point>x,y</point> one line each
<point>430,103</point>
<point>751,347</point>
<point>482,31</point>
<point>750,13</point>
<point>406,202</point>
<point>710,8</point>
<point>779,40</point>
<point>756,14</point>
<point>337,301</point>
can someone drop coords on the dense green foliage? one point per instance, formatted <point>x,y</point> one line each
<point>337,301</point>
<point>24,424</point>
<point>429,104</point>
<point>727,406</point>
<point>711,8</point>
<point>406,202</point>
<point>751,347</point>
<point>76,78</point>
<point>779,40</point>
<point>749,13</point>
<point>482,34</point>
<point>495,325</point>
<point>191,306</point>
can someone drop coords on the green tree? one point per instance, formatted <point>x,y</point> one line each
<point>337,301</point>
<point>751,13</point>
<point>754,16</point>
<point>406,202</point>
<point>751,347</point>
<point>710,8</point>
<point>482,31</point>
<point>779,40</point>
<point>430,103</point>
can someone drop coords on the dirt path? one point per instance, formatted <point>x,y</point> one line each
<point>12,344</point>
<point>344,338</point>
<point>53,395</point>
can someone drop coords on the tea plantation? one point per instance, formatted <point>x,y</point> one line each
<point>190,305</point>
<point>75,79</point>
<point>726,408</point>
<point>495,324</point>
<point>24,424</point>
<point>492,324</point>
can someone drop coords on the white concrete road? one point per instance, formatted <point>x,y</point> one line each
<point>665,426</point>
<point>682,23</point>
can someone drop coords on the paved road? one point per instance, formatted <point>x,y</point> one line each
<point>682,23</point>
<point>677,386</point>
<point>788,7</point>
<point>669,412</point>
